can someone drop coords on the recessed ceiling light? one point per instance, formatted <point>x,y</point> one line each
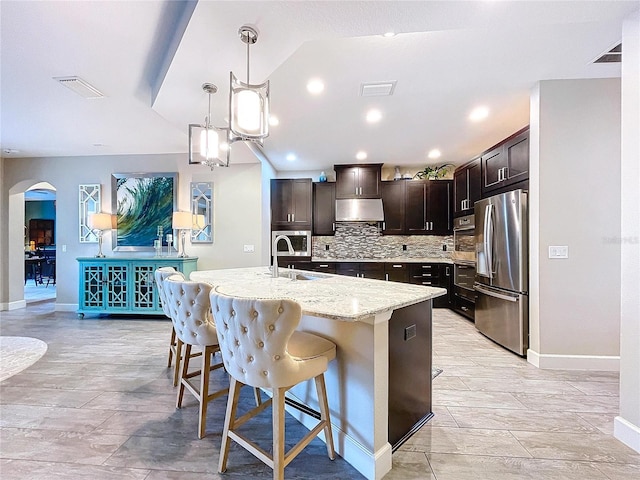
<point>374,115</point>
<point>273,120</point>
<point>315,86</point>
<point>361,155</point>
<point>389,34</point>
<point>435,153</point>
<point>291,157</point>
<point>478,114</point>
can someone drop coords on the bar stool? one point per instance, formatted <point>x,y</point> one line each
<point>190,311</point>
<point>261,348</point>
<point>175,345</point>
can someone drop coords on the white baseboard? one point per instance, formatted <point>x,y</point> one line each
<point>66,307</point>
<point>574,362</point>
<point>13,305</point>
<point>627,433</point>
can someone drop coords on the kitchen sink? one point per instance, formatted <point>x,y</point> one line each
<point>295,276</point>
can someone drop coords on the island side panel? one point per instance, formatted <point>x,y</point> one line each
<point>357,387</point>
<point>410,360</point>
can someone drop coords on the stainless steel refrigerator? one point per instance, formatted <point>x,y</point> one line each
<point>502,273</point>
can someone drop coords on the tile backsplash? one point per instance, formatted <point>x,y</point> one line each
<point>365,240</point>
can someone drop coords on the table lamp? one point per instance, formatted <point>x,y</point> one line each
<point>99,222</point>
<point>182,221</point>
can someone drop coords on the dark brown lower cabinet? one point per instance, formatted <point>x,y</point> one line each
<point>434,275</point>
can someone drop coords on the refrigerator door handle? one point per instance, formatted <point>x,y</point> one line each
<point>492,293</point>
<point>488,238</point>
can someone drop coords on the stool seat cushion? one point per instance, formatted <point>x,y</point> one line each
<point>303,346</point>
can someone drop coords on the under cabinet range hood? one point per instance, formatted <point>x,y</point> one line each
<point>359,210</point>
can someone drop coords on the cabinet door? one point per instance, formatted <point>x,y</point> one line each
<point>144,295</point>
<point>424,274</point>
<point>492,163</point>
<point>474,177</point>
<point>445,280</point>
<point>92,291</point>
<point>439,216</point>
<point>393,203</point>
<point>324,208</point>
<point>517,157</point>
<point>372,270</point>
<point>346,182</point>
<point>460,190</point>
<point>348,269</point>
<point>301,203</point>
<point>117,287</point>
<point>416,207</point>
<point>281,198</point>
<point>369,182</point>
<point>396,272</point>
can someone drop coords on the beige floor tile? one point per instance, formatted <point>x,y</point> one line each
<point>410,466</point>
<point>597,388</point>
<point>134,401</point>
<point>616,471</point>
<point>602,421</point>
<point>595,447</point>
<point>450,383</point>
<point>569,403</point>
<point>45,396</point>
<point>468,398</point>
<point>520,385</point>
<point>528,420</point>
<point>34,469</point>
<point>52,418</point>
<point>465,441</point>
<point>475,467</point>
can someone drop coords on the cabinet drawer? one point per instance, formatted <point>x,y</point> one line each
<point>328,267</point>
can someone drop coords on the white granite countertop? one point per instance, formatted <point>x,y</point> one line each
<point>384,260</point>
<point>330,296</point>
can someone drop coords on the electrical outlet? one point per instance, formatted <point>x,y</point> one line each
<point>558,251</point>
<point>64,248</point>
<point>248,249</point>
<point>444,247</point>
<point>404,247</point>
<point>326,247</point>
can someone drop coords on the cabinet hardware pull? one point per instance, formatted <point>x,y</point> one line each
<point>397,266</point>
<point>293,217</point>
<point>464,308</point>
<point>426,283</point>
<point>386,277</point>
<point>324,265</point>
<point>334,226</point>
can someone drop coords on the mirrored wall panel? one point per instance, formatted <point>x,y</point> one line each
<point>202,210</point>
<point>89,202</point>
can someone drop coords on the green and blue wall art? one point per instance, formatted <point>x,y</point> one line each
<point>142,203</point>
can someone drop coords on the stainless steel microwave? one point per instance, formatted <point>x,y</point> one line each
<point>300,241</point>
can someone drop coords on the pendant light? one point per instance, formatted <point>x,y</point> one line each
<point>248,104</point>
<point>208,145</point>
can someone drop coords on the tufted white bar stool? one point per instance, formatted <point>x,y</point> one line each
<point>175,344</point>
<point>261,347</point>
<point>190,311</point>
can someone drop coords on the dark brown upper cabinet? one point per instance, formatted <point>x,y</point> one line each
<point>291,201</point>
<point>324,208</point>
<point>467,187</point>
<point>393,203</point>
<point>358,181</point>
<point>428,207</point>
<point>507,163</point>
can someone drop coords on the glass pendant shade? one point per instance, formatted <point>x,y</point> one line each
<point>248,111</point>
<point>206,145</point>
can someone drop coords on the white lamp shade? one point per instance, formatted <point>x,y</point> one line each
<point>209,144</point>
<point>248,111</point>
<point>182,221</point>
<point>100,221</point>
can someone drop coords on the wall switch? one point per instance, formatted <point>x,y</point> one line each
<point>64,248</point>
<point>404,247</point>
<point>444,247</point>
<point>558,251</point>
<point>248,249</point>
<point>326,247</point>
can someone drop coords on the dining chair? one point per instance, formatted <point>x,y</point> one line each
<point>261,347</point>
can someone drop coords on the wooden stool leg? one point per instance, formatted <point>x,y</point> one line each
<point>172,346</point>
<point>204,390</point>
<point>257,396</point>
<point>278,433</point>
<point>324,414</point>
<point>185,369</point>
<point>179,359</point>
<point>229,422</point>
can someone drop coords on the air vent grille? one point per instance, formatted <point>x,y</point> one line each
<point>612,56</point>
<point>377,89</point>
<point>79,86</point>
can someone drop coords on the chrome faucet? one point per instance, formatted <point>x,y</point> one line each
<point>274,265</point>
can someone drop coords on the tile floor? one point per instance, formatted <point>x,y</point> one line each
<point>100,405</point>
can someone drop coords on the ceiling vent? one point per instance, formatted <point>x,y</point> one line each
<point>377,89</point>
<point>612,56</point>
<point>80,87</point>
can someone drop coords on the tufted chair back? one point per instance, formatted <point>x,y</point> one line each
<point>161,274</point>
<point>253,335</point>
<point>190,310</point>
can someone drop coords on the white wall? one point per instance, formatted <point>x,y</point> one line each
<point>237,211</point>
<point>627,425</point>
<point>575,201</point>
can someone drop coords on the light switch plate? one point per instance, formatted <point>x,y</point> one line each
<point>558,251</point>
<point>248,249</point>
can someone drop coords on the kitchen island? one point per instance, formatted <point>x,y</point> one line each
<point>379,386</point>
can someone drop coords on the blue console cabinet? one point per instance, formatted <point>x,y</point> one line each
<point>124,284</point>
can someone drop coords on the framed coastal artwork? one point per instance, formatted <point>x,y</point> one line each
<point>143,204</point>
